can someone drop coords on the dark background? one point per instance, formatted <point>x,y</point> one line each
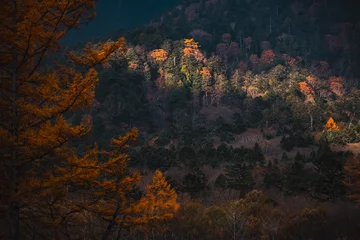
<point>112,15</point>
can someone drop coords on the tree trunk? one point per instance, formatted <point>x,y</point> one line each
<point>14,217</point>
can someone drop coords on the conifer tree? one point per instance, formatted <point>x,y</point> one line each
<point>46,187</point>
<point>238,176</point>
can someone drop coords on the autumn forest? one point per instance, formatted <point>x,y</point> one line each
<point>221,119</point>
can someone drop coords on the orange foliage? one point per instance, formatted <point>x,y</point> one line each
<point>313,81</point>
<point>331,124</point>
<point>205,73</point>
<point>39,167</point>
<point>159,55</point>
<point>190,46</point>
<point>267,56</point>
<point>336,86</point>
<point>307,91</point>
<point>116,206</point>
<point>158,204</point>
<point>133,66</point>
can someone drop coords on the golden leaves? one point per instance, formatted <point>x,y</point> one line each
<point>190,46</point>
<point>35,136</point>
<point>331,125</point>
<point>159,55</point>
<point>159,202</point>
<point>91,56</point>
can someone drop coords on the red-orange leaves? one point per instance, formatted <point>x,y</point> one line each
<point>267,56</point>
<point>307,91</point>
<point>205,73</point>
<point>336,86</point>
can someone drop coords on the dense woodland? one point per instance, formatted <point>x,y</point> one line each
<point>223,119</point>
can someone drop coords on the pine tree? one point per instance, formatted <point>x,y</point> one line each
<point>293,178</point>
<point>329,166</point>
<point>194,182</point>
<point>238,176</point>
<point>273,177</point>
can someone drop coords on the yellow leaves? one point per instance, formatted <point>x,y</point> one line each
<point>331,125</point>
<point>159,55</point>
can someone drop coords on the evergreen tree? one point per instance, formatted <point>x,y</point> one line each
<point>221,182</point>
<point>194,182</point>
<point>238,176</point>
<point>329,167</point>
<point>273,177</point>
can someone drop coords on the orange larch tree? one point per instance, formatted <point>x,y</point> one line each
<point>118,205</point>
<point>34,134</point>
<point>159,204</point>
<point>331,124</point>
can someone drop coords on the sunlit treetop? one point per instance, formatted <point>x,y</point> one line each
<point>159,55</point>
<point>331,124</point>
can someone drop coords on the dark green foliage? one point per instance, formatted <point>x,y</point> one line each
<point>222,126</point>
<point>330,173</point>
<point>238,176</point>
<point>221,182</point>
<point>226,137</point>
<point>294,178</point>
<point>257,155</point>
<point>238,123</point>
<point>187,156</point>
<point>284,157</point>
<point>273,177</point>
<point>155,158</point>
<point>286,143</point>
<point>194,182</point>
